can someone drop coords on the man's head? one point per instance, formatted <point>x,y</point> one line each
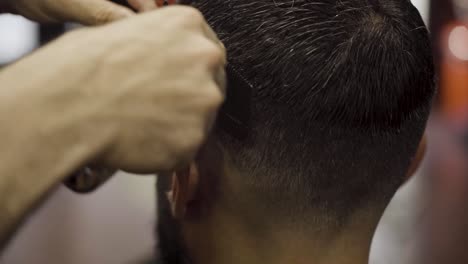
<point>341,92</point>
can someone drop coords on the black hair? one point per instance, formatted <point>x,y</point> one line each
<point>341,94</point>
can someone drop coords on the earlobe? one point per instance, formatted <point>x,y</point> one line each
<point>183,191</point>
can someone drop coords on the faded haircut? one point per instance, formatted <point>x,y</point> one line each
<point>341,95</point>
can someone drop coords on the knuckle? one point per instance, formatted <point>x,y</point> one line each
<point>190,142</point>
<point>213,54</point>
<point>184,16</point>
<point>192,15</point>
<point>213,98</point>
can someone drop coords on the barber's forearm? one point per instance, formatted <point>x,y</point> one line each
<point>41,142</point>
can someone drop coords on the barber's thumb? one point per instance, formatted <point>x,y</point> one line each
<point>97,12</point>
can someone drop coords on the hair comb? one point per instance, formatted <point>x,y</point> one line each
<point>235,114</point>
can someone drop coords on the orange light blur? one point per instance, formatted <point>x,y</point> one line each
<point>453,76</point>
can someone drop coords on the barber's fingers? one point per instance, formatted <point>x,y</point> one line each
<point>190,17</point>
<point>219,74</point>
<point>219,71</point>
<point>143,5</point>
<point>212,36</point>
<point>94,12</point>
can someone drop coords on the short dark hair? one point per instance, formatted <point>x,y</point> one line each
<point>341,94</point>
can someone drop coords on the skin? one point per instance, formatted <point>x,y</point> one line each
<point>283,244</point>
<point>205,205</point>
<point>139,94</point>
<point>218,226</point>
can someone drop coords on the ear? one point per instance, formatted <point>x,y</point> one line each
<point>184,186</point>
<point>417,160</point>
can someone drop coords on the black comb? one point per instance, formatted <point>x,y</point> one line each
<point>235,114</point>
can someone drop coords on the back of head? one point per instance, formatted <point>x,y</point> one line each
<point>341,95</point>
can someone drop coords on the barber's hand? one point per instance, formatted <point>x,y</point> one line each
<point>159,83</point>
<point>154,82</point>
<point>87,12</point>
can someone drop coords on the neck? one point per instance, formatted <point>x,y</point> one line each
<point>234,243</point>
